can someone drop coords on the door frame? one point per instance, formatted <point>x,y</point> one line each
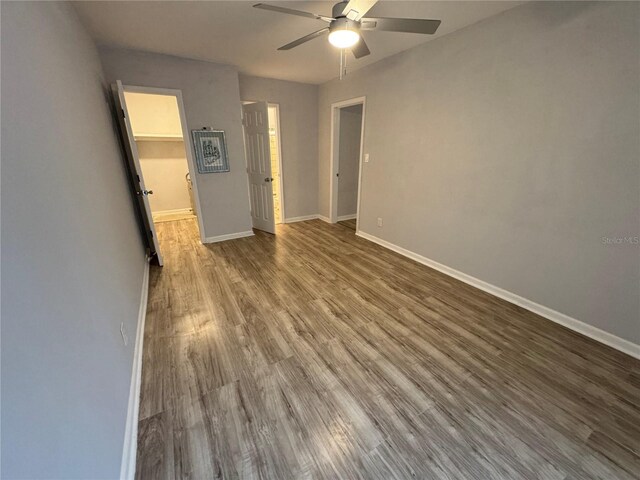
<point>171,92</point>
<point>335,156</point>
<point>281,192</point>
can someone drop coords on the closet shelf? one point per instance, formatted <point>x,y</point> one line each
<point>146,137</point>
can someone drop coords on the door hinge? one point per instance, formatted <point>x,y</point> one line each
<point>138,177</point>
<point>123,115</point>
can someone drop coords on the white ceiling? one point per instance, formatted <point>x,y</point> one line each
<point>235,33</point>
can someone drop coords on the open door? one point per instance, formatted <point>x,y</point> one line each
<point>133,162</point>
<point>255,120</point>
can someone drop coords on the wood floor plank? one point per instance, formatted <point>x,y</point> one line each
<point>316,354</point>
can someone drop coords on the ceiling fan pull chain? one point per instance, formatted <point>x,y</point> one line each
<point>344,54</point>
<point>343,63</point>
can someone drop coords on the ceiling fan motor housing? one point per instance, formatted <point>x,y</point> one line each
<point>343,23</point>
<point>338,8</point>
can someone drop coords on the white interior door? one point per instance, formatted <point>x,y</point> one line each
<point>133,162</point>
<point>255,120</point>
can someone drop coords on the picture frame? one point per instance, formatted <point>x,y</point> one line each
<point>211,150</point>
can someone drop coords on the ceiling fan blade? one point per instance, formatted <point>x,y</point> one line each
<point>290,11</point>
<point>360,49</point>
<point>304,39</point>
<point>356,9</point>
<point>408,25</point>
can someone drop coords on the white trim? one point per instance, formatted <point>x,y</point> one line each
<point>278,135</point>
<point>173,212</point>
<point>571,323</point>
<point>347,217</point>
<point>187,142</point>
<point>228,236</point>
<point>334,154</point>
<point>303,218</point>
<point>176,211</point>
<point>130,446</point>
<point>360,161</point>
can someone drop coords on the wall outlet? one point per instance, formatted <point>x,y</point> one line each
<point>366,158</point>
<point>123,332</point>
<point>379,221</point>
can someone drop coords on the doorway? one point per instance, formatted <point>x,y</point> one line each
<point>158,134</point>
<point>347,137</point>
<point>276,162</point>
<point>159,155</point>
<point>261,127</point>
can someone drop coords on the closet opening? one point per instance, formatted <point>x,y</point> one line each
<point>164,154</point>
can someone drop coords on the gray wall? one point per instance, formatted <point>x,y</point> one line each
<point>211,99</point>
<point>349,159</point>
<point>72,256</point>
<point>298,135</point>
<point>508,150</point>
<point>164,166</point>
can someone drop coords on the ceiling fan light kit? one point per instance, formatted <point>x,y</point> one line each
<point>345,23</point>
<point>344,33</point>
<point>343,38</point>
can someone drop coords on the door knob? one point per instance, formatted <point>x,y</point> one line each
<point>145,192</point>
<point>268,179</point>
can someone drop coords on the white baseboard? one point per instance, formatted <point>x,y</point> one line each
<point>304,218</point>
<point>309,217</point>
<point>590,331</point>
<point>130,447</point>
<point>177,211</point>
<point>347,217</point>
<point>171,215</point>
<point>229,236</point>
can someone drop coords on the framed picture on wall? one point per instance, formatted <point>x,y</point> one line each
<point>211,150</point>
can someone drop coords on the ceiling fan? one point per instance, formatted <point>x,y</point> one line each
<point>347,20</point>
